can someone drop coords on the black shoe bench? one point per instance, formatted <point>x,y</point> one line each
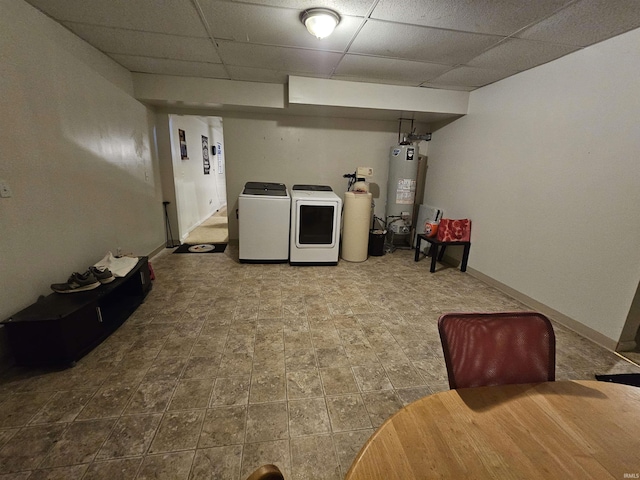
<point>62,328</point>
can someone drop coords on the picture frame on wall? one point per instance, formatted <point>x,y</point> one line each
<point>220,159</point>
<point>182,137</point>
<point>205,155</point>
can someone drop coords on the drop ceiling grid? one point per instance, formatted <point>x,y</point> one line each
<point>458,44</point>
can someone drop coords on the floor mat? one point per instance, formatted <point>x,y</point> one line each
<point>201,248</point>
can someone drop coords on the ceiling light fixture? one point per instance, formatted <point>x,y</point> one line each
<point>320,21</point>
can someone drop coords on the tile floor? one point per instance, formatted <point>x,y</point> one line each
<point>227,366</point>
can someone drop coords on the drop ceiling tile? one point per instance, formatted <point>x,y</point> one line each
<point>343,7</point>
<point>249,74</point>
<point>164,66</point>
<point>177,17</point>
<point>406,72</point>
<point>278,58</point>
<point>420,43</point>
<point>146,44</point>
<point>498,17</point>
<point>518,55</point>
<point>469,77</point>
<point>272,26</point>
<point>586,22</point>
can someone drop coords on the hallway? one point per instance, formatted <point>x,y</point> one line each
<point>215,229</point>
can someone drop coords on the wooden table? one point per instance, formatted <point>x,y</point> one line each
<point>568,430</point>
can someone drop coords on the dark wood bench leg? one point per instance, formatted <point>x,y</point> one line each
<point>418,240</point>
<point>465,257</point>
<point>434,254</point>
<point>441,256</point>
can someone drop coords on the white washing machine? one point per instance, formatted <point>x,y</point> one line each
<point>315,225</point>
<point>264,211</point>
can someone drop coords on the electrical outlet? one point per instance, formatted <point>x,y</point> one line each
<point>364,172</point>
<point>5,191</point>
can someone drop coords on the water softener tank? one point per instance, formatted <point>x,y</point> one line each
<point>401,188</point>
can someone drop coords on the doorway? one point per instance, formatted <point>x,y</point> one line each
<point>198,180</point>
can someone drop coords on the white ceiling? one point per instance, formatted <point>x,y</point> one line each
<point>453,44</point>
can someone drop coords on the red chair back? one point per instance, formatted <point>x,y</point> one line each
<point>497,348</point>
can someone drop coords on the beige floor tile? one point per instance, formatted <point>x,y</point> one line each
<point>332,357</point>
<point>79,443</point>
<point>29,446</point>
<point>304,384</point>
<point>381,405</point>
<point>348,444</point>
<point>338,381</point>
<point>63,407</point>
<point>276,452</point>
<point>18,409</point>
<point>409,395</point>
<point>372,378</point>
<point>267,387</point>
<point>151,397</point>
<point>131,436</point>
<point>74,472</point>
<point>121,469</point>
<point>202,367</point>
<point>224,426</point>
<point>314,457</point>
<point>191,393</point>
<point>308,416</point>
<point>347,412</point>
<point>300,360</point>
<point>231,391</point>
<point>217,463</point>
<point>175,465</point>
<point>178,431</point>
<point>107,402</point>
<point>267,421</point>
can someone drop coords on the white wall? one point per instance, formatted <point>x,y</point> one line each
<point>216,136</point>
<point>77,151</point>
<point>306,150</point>
<point>546,166</point>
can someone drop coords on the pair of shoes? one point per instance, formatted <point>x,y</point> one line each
<point>103,274</point>
<point>81,282</point>
<point>78,282</point>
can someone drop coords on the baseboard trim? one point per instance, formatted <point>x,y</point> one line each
<point>562,319</point>
<point>157,250</point>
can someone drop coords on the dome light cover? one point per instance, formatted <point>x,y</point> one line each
<point>320,22</point>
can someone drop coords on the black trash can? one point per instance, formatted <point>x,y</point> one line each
<point>376,242</point>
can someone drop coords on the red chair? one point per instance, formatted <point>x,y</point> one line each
<point>497,348</point>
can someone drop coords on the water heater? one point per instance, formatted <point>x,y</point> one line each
<point>401,188</point>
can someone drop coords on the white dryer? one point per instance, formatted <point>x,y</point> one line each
<point>264,211</point>
<point>315,225</point>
